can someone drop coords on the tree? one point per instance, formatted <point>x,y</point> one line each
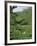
<point>11,8</point>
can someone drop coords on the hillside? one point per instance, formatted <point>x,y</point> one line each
<point>21,24</point>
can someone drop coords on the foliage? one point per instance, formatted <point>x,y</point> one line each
<point>21,24</point>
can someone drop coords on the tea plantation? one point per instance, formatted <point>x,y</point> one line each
<point>21,24</point>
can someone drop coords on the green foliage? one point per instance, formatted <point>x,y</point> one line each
<point>21,25</point>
